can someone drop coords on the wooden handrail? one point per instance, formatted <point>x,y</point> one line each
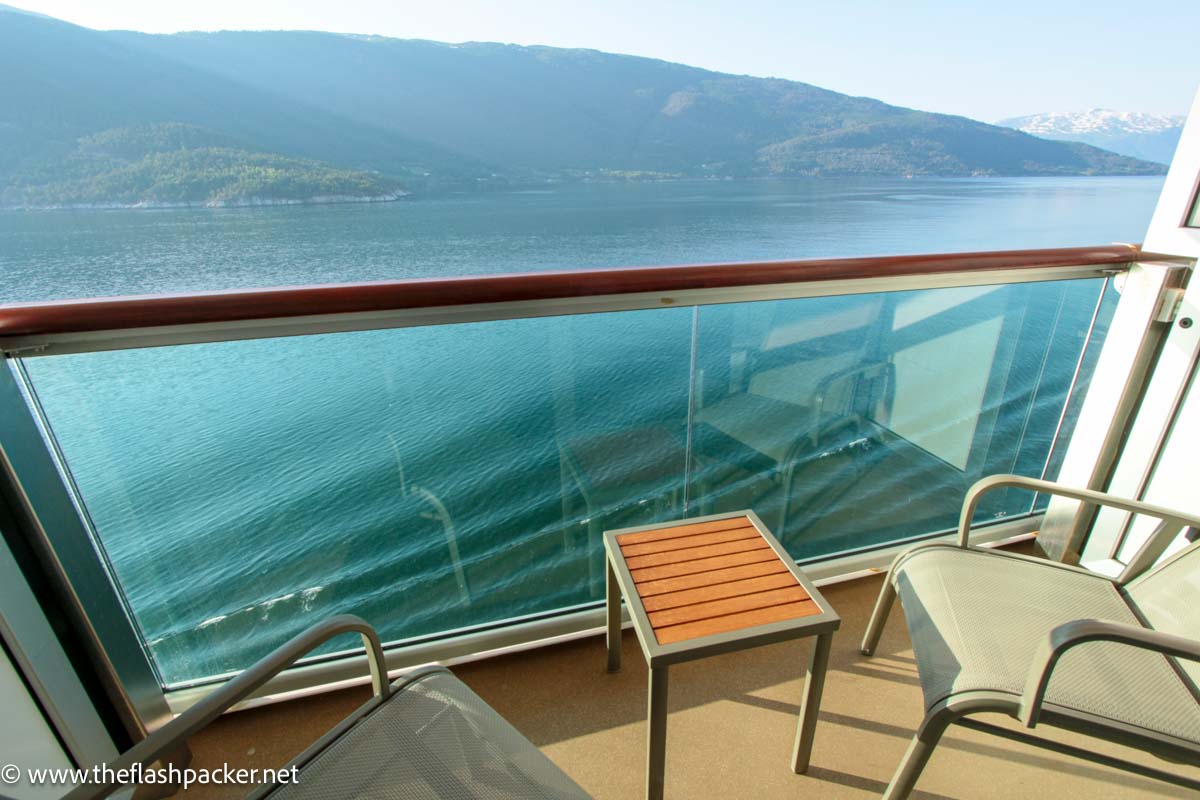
<point>123,313</point>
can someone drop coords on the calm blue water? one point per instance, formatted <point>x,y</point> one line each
<point>48,255</point>
<point>438,478</point>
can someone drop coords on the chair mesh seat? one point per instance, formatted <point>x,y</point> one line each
<point>433,739</point>
<point>976,620</point>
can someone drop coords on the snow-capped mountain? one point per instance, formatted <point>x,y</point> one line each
<point>1131,133</point>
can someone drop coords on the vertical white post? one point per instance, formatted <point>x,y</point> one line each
<point>1166,413</point>
<point>1141,375</point>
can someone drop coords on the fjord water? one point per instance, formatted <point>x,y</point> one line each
<point>63,254</point>
<point>437,478</point>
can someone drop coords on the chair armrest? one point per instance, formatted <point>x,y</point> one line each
<point>1082,631</point>
<point>175,733</point>
<point>981,487</point>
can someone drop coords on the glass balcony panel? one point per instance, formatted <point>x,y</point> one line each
<point>1087,367</point>
<point>854,421</point>
<point>427,479</point>
<point>448,477</point>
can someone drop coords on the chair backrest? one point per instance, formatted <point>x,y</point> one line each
<point>1168,597</point>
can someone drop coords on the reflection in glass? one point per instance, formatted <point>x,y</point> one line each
<point>853,421</point>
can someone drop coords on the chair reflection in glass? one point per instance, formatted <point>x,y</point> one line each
<point>801,396</point>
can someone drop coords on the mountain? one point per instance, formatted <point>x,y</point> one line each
<point>1151,137</point>
<point>426,113</point>
<point>544,109</point>
<point>62,83</point>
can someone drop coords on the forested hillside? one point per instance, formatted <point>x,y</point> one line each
<point>302,115</point>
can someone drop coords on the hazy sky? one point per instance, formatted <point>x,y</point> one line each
<point>984,60</point>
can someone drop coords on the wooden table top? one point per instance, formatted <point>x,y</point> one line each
<point>700,579</point>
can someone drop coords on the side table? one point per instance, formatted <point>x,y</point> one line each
<point>705,586</point>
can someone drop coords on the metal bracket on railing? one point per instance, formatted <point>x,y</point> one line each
<point>1168,308</point>
<point>18,351</point>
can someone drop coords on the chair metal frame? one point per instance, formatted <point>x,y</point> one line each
<point>1031,708</point>
<point>170,738</point>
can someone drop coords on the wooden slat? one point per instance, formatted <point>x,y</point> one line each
<point>695,553</point>
<point>703,565</point>
<point>653,588</point>
<point>695,540</point>
<point>661,534</point>
<point>733,622</point>
<point>717,591</point>
<point>728,605</point>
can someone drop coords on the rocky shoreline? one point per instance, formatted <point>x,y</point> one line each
<point>240,202</point>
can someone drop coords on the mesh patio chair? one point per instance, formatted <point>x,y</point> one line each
<point>422,737</point>
<point>1053,644</point>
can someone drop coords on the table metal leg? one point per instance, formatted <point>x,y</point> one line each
<point>814,683</point>
<point>612,603</point>
<point>656,740</point>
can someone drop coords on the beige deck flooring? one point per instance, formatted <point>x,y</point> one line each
<point>732,720</point>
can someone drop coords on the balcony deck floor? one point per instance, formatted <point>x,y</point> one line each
<point>732,721</point>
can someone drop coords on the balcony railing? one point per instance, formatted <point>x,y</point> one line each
<point>441,456</point>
